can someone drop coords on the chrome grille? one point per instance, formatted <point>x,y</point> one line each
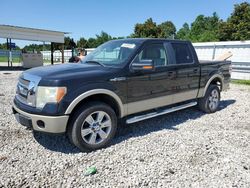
<point>24,82</point>
<point>23,87</point>
<point>26,89</point>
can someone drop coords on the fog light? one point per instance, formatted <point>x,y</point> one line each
<point>40,124</point>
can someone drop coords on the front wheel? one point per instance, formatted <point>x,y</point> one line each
<point>92,126</point>
<point>210,102</point>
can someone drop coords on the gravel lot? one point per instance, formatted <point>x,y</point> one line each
<point>182,149</point>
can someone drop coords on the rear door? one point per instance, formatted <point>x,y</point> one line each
<point>187,71</point>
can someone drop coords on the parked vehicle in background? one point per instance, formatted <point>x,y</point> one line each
<point>130,79</point>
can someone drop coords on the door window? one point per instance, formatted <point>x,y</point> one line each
<point>155,52</point>
<point>182,53</point>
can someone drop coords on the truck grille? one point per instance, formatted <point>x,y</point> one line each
<point>26,87</point>
<point>22,90</point>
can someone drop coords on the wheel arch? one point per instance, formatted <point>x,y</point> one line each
<point>102,95</point>
<point>216,79</point>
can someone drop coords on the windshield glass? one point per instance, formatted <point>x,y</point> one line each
<point>112,53</point>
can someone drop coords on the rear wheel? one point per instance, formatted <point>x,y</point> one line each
<point>210,102</point>
<point>92,126</point>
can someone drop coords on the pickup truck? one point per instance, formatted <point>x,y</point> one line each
<point>130,80</point>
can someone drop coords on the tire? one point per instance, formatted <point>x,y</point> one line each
<point>88,133</point>
<point>210,102</point>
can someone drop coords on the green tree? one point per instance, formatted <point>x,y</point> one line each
<point>82,43</point>
<point>36,47</point>
<point>166,30</point>
<point>237,26</point>
<point>183,32</point>
<point>147,29</point>
<point>91,43</point>
<point>69,43</point>
<point>103,37</point>
<point>205,29</point>
<point>4,46</point>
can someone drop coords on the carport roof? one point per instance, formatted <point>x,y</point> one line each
<point>26,33</point>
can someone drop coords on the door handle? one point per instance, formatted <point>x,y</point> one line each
<point>171,74</point>
<point>195,70</point>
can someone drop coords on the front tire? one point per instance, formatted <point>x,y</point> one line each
<point>210,102</point>
<point>92,126</point>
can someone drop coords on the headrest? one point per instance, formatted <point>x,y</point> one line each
<point>151,53</point>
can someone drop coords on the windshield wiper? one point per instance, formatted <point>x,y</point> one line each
<point>96,62</point>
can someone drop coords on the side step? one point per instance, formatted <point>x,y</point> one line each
<point>161,112</point>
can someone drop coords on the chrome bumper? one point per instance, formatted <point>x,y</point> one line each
<point>49,124</point>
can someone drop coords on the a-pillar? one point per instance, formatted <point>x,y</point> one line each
<point>8,53</point>
<point>62,53</point>
<point>51,54</point>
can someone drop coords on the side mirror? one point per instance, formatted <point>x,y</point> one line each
<point>146,65</point>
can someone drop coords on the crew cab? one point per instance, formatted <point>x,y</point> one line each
<point>129,79</point>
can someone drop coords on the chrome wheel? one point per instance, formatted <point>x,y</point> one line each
<point>96,127</point>
<point>213,99</point>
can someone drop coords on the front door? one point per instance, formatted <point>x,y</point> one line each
<point>149,90</point>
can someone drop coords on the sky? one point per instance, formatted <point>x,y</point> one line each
<point>86,18</point>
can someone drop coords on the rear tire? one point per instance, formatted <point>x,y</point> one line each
<point>92,126</point>
<point>210,102</point>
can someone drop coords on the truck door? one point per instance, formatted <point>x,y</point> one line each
<point>153,89</point>
<point>187,72</point>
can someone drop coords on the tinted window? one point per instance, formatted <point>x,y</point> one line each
<point>155,52</point>
<point>182,54</point>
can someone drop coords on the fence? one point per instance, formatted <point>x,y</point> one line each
<point>58,55</point>
<point>239,49</point>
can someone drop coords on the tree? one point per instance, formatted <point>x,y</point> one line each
<point>146,29</point>
<point>91,43</point>
<point>184,32</point>
<point>82,43</point>
<point>103,37</point>
<point>166,30</point>
<point>4,46</point>
<point>237,26</point>
<point>36,47</point>
<point>205,29</point>
<point>69,43</point>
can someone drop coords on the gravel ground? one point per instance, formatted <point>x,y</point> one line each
<point>182,149</point>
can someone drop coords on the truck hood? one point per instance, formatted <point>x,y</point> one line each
<point>63,69</point>
<point>56,74</point>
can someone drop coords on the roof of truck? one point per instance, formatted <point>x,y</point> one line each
<point>152,39</point>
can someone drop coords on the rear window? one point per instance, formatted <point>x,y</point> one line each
<point>182,53</point>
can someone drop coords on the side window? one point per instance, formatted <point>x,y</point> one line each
<point>156,52</point>
<point>182,53</point>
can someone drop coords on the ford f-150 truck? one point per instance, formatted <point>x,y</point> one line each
<point>129,80</point>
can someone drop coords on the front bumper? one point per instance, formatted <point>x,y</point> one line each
<point>49,124</point>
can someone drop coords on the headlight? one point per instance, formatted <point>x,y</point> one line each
<point>49,95</point>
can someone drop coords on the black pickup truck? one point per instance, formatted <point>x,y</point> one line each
<point>129,79</point>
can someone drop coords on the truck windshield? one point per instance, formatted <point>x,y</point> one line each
<point>112,53</point>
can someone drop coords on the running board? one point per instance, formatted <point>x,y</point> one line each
<point>154,114</point>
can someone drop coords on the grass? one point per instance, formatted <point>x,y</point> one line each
<point>18,60</point>
<point>14,59</point>
<point>243,82</point>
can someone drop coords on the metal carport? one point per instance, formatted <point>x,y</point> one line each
<point>24,33</point>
